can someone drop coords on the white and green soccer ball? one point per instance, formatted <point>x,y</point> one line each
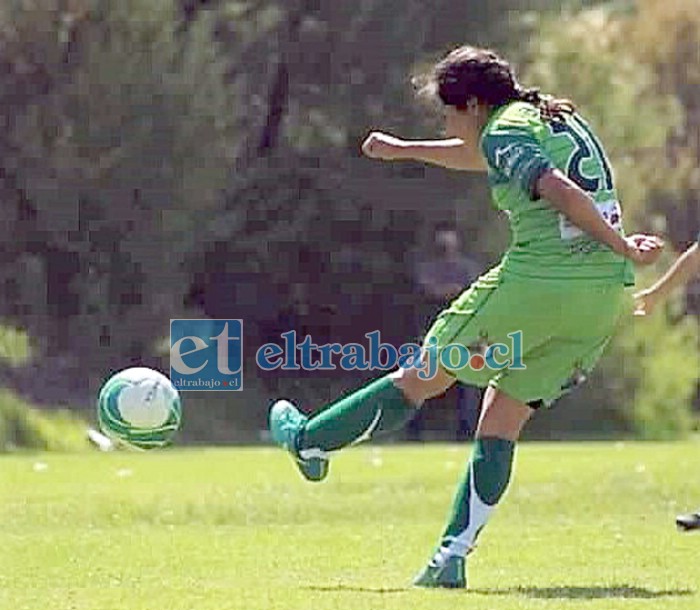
<point>139,408</point>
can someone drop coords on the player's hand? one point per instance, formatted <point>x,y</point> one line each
<point>644,249</point>
<point>380,145</point>
<point>645,302</point>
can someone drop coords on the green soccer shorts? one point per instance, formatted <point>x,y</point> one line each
<point>565,327</point>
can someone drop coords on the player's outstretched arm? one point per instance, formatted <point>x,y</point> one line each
<point>566,196</point>
<point>451,153</point>
<point>681,272</point>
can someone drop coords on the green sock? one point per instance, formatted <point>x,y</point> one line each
<point>379,407</point>
<point>483,486</point>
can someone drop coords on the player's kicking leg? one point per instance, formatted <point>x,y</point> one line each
<point>382,406</point>
<point>688,522</point>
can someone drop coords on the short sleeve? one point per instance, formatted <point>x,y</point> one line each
<point>515,154</point>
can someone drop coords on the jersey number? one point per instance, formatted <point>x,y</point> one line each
<point>586,147</point>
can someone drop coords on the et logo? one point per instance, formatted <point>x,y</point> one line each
<point>206,354</point>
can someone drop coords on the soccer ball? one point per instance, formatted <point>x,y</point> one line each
<point>139,408</point>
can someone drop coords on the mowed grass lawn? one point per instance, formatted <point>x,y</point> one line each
<point>583,526</point>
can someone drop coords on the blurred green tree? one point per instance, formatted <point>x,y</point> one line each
<point>117,142</point>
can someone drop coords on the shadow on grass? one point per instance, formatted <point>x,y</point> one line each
<point>593,592</point>
<point>356,589</point>
<point>574,592</point>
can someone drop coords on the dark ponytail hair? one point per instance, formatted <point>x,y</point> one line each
<point>473,73</point>
<point>550,108</point>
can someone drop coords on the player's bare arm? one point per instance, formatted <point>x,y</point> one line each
<point>567,197</point>
<point>451,153</point>
<point>686,267</point>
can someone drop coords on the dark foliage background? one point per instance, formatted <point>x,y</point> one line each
<point>164,159</point>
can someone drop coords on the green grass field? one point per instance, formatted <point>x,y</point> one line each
<point>583,526</point>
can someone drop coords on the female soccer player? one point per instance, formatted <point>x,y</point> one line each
<point>560,283</point>
<point>682,271</point>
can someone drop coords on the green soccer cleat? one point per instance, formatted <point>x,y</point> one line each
<point>286,422</point>
<point>449,574</point>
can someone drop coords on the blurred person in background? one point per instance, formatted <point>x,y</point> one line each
<point>443,274</point>
<point>439,278</point>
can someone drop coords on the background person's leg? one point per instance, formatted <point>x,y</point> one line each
<point>468,411</point>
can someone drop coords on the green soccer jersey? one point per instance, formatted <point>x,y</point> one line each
<point>519,147</point>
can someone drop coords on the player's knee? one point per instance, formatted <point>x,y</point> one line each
<point>406,380</point>
<point>417,388</point>
<point>502,416</point>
